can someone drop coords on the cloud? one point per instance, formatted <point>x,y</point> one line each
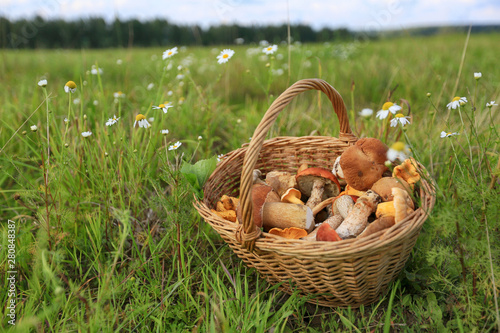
<point>353,14</point>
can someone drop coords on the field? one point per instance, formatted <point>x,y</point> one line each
<point>106,236</point>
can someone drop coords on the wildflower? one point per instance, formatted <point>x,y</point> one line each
<point>448,134</point>
<point>491,104</point>
<point>112,121</point>
<point>86,134</point>
<point>164,107</point>
<point>34,128</point>
<point>401,119</point>
<point>386,108</point>
<point>66,120</point>
<point>150,86</point>
<point>398,151</point>
<point>219,157</point>
<point>270,49</point>
<point>76,101</point>
<point>119,94</point>
<point>478,75</point>
<point>179,76</point>
<point>119,61</point>
<point>200,137</point>
<point>164,132</point>
<point>225,55</point>
<point>70,87</point>
<point>95,70</point>
<point>169,53</point>
<point>181,100</point>
<point>366,112</point>
<point>95,102</point>
<point>141,120</point>
<point>42,83</point>
<point>456,102</point>
<point>175,146</point>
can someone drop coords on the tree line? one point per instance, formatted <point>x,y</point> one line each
<point>98,33</point>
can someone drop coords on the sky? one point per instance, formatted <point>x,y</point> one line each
<point>351,14</point>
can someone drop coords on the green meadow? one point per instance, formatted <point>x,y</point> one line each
<point>105,236</point>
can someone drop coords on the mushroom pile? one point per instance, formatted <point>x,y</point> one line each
<point>358,197</point>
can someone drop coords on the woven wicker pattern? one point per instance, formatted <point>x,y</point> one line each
<point>346,273</point>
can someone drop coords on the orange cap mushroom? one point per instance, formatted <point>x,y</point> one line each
<point>327,233</point>
<point>292,195</point>
<point>291,233</point>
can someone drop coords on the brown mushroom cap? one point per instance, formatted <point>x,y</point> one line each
<point>305,180</point>
<point>364,163</point>
<point>260,195</point>
<point>384,185</point>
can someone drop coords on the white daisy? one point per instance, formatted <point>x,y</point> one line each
<point>95,70</point>
<point>456,102</point>
<point>119,94</point>
<point>200,137</point>
<point>398,151</point>
<point>141,120</point>
<point>34,128</point>
<point>478,75</point>
<point>219,157</point>
<point>224,56</point>
<point>401,119</point>
<point>448,134</point>
<point>175,145</point>
<point>42,83</point>
<point>164,132</point>
<point>386,108</point>
<point>66,120</point>
<point>270,49</point>
<point>366,113</point>
<point>70,87</point>
<point>169,53</point>
<point>164,107</point>
<point>112,121</point>
<point>86,134</point>
<point>491,104</point>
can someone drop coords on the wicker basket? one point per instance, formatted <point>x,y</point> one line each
<point>346,273</point>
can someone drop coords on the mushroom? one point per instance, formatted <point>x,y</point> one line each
<point>353,192</point>
<point>285,215</point>
<point>384,222</point>
<point>260,195</point>
<point>357,219</point>
<point>337,171</point>
<point>256,177</point>
<point>292,195</point>
<point>318,184</point>
<point>407,171</point>
<point>281,181</point>
<point>400,207</point>
<point>384,185</point>
<point>364,163</point>
<point>327,233</point>
<point>333,221</point>
<point>291,233</point>
<point>342,205</point>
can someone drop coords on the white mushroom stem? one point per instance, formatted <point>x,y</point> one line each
<point>285,215</point>
<point>334,221</point>
<point>343,205</point>
<point>256,177</point>
<point>316,193</point>
<point>357,220</point>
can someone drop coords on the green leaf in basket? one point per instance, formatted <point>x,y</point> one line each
<point>198,173</point>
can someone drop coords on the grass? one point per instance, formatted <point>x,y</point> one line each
<point>106,235</point>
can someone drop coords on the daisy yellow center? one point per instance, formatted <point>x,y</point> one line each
<point>161,106</point>
<point>140,117</point>
<point>398,146</point>
<point>71,84</point>
<point>399,115</point>
<point>170,52</point>
<point>449,133</point>
<point>455,99</point>
<point>269,48</point>
<point>225,56</point>
<point>387,105</point>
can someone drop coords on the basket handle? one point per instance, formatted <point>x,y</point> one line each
<point>248,233</point>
